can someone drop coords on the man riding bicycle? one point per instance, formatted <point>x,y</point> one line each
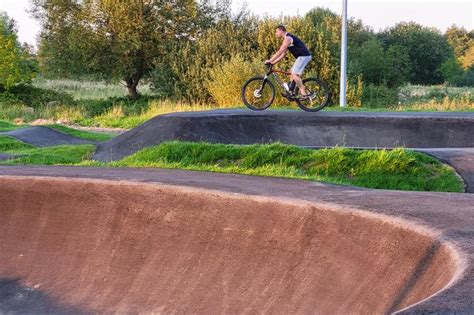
<point>299,50</point>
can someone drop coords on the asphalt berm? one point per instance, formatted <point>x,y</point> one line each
<point>42,136</point>
<point>322,129</point>
<point>446,136</point>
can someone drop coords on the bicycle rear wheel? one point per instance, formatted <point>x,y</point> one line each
<point>258,93</point>
<point>318,95</point>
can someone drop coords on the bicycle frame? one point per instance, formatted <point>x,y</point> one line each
<point>274,73</point>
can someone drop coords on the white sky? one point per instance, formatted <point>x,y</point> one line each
<point>376,13</point>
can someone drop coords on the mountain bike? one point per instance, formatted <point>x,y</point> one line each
<point>258,93</point>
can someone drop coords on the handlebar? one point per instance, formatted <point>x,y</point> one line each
<point>269,67</point>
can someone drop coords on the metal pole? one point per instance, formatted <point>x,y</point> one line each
<point>342,92</point>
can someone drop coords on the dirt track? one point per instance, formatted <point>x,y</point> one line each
<point>194,242</point>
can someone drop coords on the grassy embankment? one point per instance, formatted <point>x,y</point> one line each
<point>396,169</point>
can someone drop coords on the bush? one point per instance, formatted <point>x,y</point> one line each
<point>377,96</point>
<point>465,79</point>
<point>226,80</point>
<point>37,97</point>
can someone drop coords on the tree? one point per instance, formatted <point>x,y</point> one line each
<point>459,39</point>
<point>426,47</point>
<point>15,65</point>
<point>111,39</point>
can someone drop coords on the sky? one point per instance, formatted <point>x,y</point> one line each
<point>378,14</point>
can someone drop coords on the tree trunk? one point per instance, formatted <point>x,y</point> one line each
<point>132,91</point>
<point>132,87</point>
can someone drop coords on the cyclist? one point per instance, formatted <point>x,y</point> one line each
<point>299,50</point>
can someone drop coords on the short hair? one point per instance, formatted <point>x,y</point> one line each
<point>281,28</point>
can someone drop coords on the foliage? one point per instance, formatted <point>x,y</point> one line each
<point>462,42</point>
<point>379,96</point>
<point>88,89</point>
<point>226,80</point>
<point>58,155</point>
<point>114,40</point>
<point>395,169</point>
<point>381,66</point>
<point>8,144</point>
<point>15,64</point>
<point>427,49</point>
<point>6,126</point>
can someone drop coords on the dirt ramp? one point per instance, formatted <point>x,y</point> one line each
<point>100,246</point>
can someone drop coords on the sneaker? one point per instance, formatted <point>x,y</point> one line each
<point>306,96</point>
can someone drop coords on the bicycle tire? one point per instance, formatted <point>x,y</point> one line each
<point>324,95</point>
<point>264,83</point>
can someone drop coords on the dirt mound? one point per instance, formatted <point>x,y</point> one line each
<point>100,246</point>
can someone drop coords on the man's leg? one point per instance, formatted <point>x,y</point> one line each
<point>297,71</point>
<point>299,83</point>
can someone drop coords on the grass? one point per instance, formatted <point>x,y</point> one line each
<point>57,155</point>
<point>395,169</point>
<point>88,90</point>
<point>383,169</point>
<point>87,135</point>
<point>8,144</point>
<point>7,126</point>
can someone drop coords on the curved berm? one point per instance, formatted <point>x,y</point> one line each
<point>90,246</point>
<point>322,129</point>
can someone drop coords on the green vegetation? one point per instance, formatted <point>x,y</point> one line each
<point>16,65</point>
<point>6,126</point>
<point>395,169</point>
<point>88,89</point>
<point>8,144</point>
<point>94,136</point>
<point>57,155</point>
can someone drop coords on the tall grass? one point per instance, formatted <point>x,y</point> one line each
<point>394,169</point>
<point>116,117</point>
<point>89,90</point>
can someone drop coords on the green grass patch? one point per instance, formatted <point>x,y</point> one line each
<point>383,169</point>
<point>87,135</point>
<point>8,144</point>
<point>7,126</point>
<point>57,155</point>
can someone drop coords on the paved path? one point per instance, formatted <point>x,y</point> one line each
<point>42,136</point>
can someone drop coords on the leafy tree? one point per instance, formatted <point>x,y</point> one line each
<point>380,66</point>
<point>426,47</point>
<point>459,39</point>
<point>467,60</point>
<point>15,66</point>
<point>226,36</point>
<point>451,70</point>
<point>370,60</point>
<point>111,39</point>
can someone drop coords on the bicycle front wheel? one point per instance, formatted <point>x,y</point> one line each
<point>318,95</point>
<point>258,93</point>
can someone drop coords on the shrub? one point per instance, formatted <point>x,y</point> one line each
<point>226,80</point>
<point>37,97</point>
<point>376,96</point>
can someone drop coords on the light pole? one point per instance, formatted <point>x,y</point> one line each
<point>342,92</point>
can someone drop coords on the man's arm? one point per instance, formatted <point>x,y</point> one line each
<point>281,52</point>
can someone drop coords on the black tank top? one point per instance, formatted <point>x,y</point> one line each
<point>298,48</point>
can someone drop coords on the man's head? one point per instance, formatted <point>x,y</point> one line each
<point>280,31</point>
